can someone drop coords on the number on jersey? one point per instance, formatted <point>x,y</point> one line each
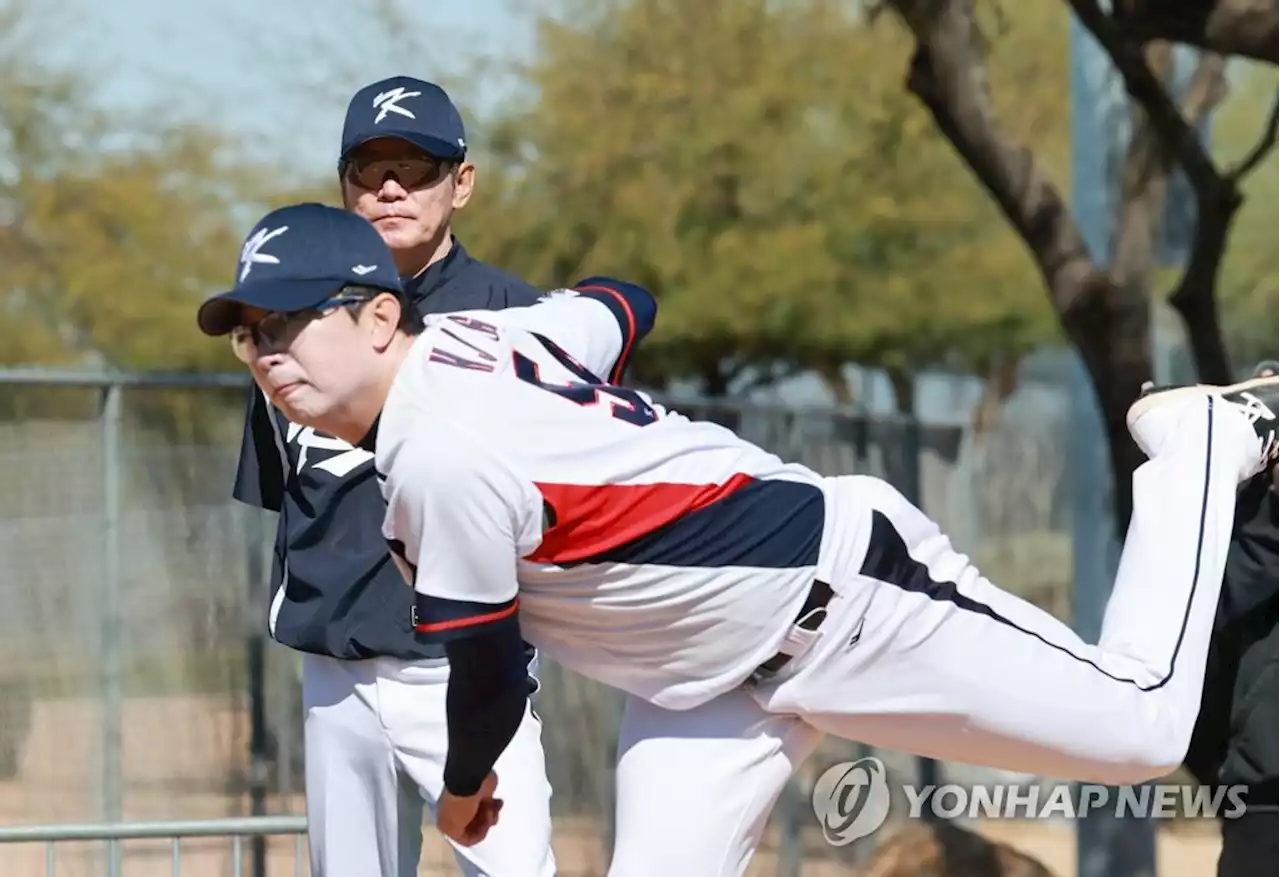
<point>625,404</point>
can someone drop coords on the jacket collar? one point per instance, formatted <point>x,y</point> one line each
<point>438,273</point>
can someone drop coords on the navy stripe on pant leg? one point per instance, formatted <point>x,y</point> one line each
<point>888,561</point>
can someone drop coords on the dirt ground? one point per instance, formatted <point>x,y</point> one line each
<point>177,751</point>
<point>1179,855</point>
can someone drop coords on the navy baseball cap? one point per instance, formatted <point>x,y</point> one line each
<point>298,257</point>
<point>408,109</point>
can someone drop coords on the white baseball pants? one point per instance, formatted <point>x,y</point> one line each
<point>375,751</point>
<point>921,654</point>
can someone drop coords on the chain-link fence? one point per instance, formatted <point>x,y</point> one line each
<point>136,680</point>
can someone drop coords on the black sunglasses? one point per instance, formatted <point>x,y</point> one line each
<point>410,171</point>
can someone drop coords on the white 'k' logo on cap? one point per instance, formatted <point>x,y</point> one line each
<point>252,253</point>
<point>389,102</point>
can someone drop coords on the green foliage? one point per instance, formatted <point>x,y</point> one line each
<point>758,164</point>
<point>112,228</point>
<point>761,167</point>
<point>1247,289</point>
<point>126,245</point>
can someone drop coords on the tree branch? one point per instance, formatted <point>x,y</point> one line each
<point>948,76</point>
<point>1193,297</point>
<point>1217,195</point>
<point>1259,152</point>
<point>1207,89</point>
<point>1247,28</point>
<point>1105,322</point>
<point>1144,190</point>
<point>1177,136</point>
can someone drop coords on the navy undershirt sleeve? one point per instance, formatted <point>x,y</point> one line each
<point>487,695</point>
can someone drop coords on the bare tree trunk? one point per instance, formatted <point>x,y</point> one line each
<point>1106,315</point>
<point>1000,380</point>
<point>715,383</point>
<point>1106,322</point>
<point>903,381</point>
<point>832,375</point>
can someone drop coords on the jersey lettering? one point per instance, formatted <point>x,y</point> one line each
<point>448,357</point>
<point>627,405</point>
<point>475,325</point>
<point>484,354</point>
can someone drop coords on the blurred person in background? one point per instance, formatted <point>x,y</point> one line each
<point>373,696</point>
<point>1236,737</point>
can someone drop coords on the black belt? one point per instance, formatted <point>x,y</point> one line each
<point>810,617</point>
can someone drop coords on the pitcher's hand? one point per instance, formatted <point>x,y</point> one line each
<point>468,820</point>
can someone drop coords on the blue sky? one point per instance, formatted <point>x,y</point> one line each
<point>253,66</point>
<point>278,73</point>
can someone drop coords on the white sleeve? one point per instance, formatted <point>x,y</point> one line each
<point>457,521</point>
<point>599,322</point>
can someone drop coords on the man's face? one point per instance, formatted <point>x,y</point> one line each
<point>409,196</point>
<point>310,364</point>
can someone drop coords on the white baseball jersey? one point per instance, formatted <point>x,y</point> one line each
<point>663,556</point>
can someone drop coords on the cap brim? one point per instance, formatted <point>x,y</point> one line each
<point>222,313</point>
<point>436,146</point>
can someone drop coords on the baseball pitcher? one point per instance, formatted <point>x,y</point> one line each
<point>746,604</point>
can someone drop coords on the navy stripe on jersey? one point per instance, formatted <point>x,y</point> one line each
<point>632,306</point>
<point>766,524</point>
<point>889,561</point>
<point>439,619</point>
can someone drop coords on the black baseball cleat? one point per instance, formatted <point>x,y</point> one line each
<point>1257,398</point>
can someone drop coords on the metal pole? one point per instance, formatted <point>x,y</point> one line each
<point>909,484</point>
<point>243,825</point>
<point>1109,846</point>
<point>858,435</point>
<point>1102,845</point>
<point>1106,845</point>
<point>791,846</point>
<point>256,667</point>
<point>112,618</point>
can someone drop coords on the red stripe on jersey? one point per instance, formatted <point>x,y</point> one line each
<point>621,362</point>
<point>469,621</point>
<point>594,518</point>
